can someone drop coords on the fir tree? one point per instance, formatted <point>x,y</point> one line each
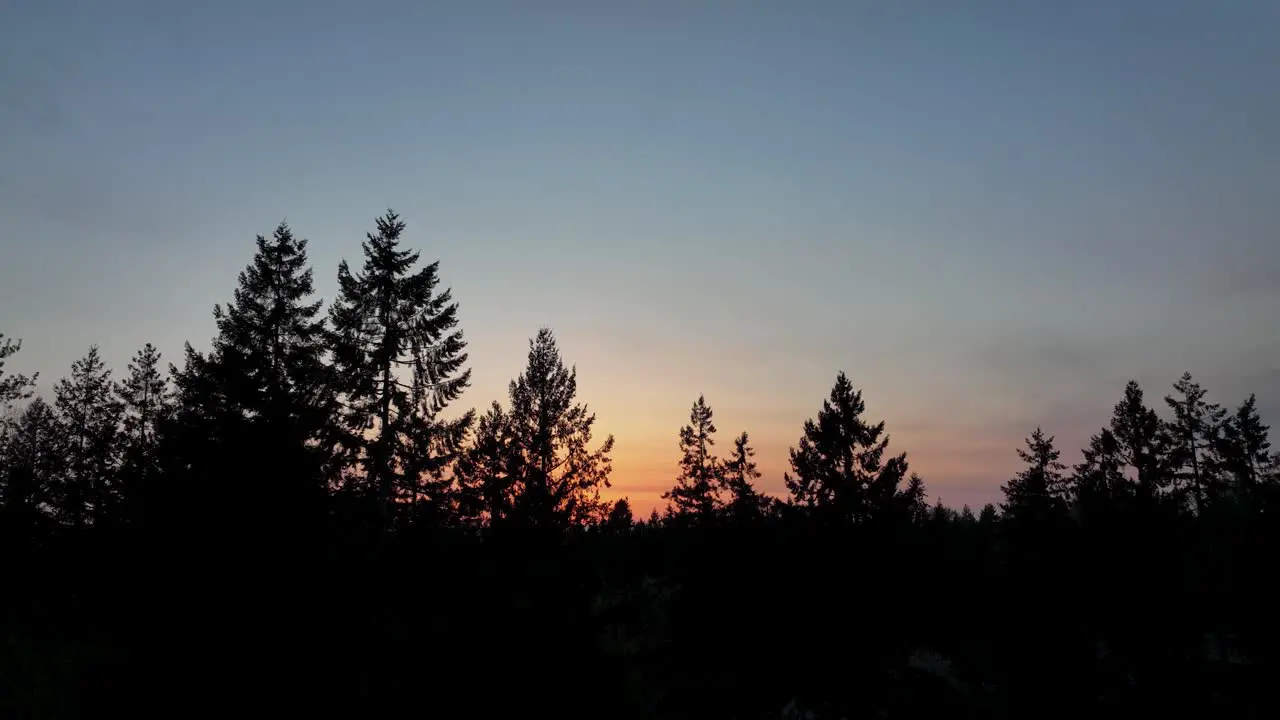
<point>988,516</point>
<point>1245,447</point>
<point>619,519</point>
<point>1192,438</point>
<point>739,477</point>
<point>12,387</point>
<point>913,500</point>
<point>146,401</point>
<point>32,458</point>
<point>556,475</point>
<point>1036,494</point>
<point>485,471</point>
<point>695,494</point>
<point>398,361</point>
<point>839,467</point>
<point>90,415</point>
<point>1099,480</point>
<point>1136,429</point>
<point>269,352</point>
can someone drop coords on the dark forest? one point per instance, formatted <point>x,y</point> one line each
<point>305,517</point>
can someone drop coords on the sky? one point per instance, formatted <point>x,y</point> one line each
<point>990,214</point>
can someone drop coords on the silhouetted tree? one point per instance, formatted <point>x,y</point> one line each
<point>147,405</point>
<point>556,475</point>
<point>12,387</point>
<point>1245,447</point>
<point>1192,438</point>
<point>90,415</point>
<point>32,460</point>
<point>1037,493</point>
<point>839,465</point>
<point>398,361</point>
<point>1098,480</point>
<point>619,519</point>
<point>739,476</point>
<point>1136,429</point>
<point>486,471</point>
<point>914,499</point>
<point>988,516</point>
<point>695,494</point>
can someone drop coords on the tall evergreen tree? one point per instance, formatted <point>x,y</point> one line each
<point>840,471</point>
<point>90,415</point>
<point>1245,447</point>
<point>557,476</point>
<point>485,471</point>
<point>146,401</point>
<point>12,387</point>
<point>1192,438</point>
<point>696,491</point>
<point>1099,480</point>
<point>1037,493</point>
<point>390,321</point>
<point>739,477</point>
<point>619,519</point>
<point>1136,429</point>
<point>270,346</point>
<point>32,458</point>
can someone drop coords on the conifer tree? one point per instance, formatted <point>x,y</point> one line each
<point>398,362</point>
<point>739,477</point>
<point>988,516</point>
<point>146,401</point>
<point>270,346</point>
<point>485,471</point>
<point>913,499</point>
<point>1136,429</point>
<point>1036,494</point>
<point>696,491</point>
<point>556,475</point>
<point>32,458</point>
<point>620,519</point>
<point>1098,480</point>
<point>90,415</point>
<point>12,387</point>
<point>1192,438</point>
<point>840,471</point>
<point>1245,447</point>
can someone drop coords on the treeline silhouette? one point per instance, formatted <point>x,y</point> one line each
<point>304,519</point>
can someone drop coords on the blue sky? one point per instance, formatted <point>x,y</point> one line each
<point>991,214</point>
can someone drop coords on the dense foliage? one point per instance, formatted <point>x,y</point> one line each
<point>302,517</point>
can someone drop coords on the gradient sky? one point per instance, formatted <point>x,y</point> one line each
<point>991,214</point>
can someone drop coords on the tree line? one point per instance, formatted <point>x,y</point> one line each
<point>311,446</point>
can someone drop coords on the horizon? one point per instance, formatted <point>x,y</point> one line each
<point>1000,215</point>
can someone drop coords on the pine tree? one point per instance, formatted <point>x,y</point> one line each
<point>485,473</point>
<point>32,458</point>
<point>147,404</point>
<point>619,520</point>
<point>695,494</point>
<point>1099,480</point>
<point>988,516</point>
<point>739,477</point>
<point>1245,447</point>
<point>1192,438</point>
<point>913,500</point>
<point>557,477</point>
<point>1036,494</point>
<point>389,320</point>
<point>839,465</point>
<point>1136,429</point>
<point>90,415</point>
<point>270,343</point>
<point>13,387</point>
